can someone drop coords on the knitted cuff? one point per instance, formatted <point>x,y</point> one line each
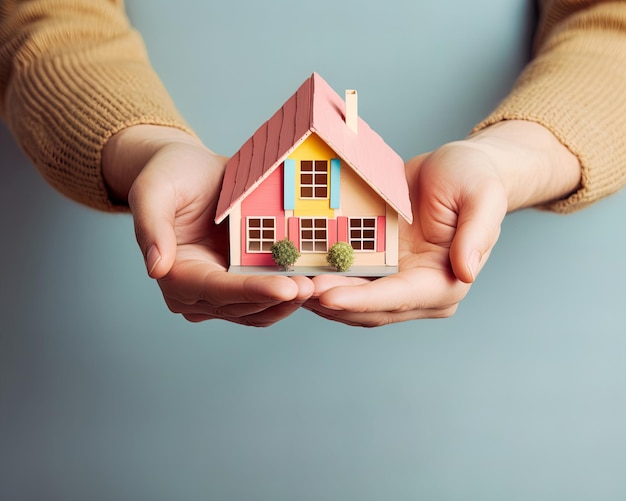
<point>576,90</point>
<point>64,108</point>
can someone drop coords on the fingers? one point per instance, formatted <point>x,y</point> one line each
<point>478,228</point>
<point>461,204</point>
<point>171,205</point>
<point>201,289</point>
<point>306,288</point>
<point>416,290</point>
<point>263,318</point>
<point>172,209</point>
<point>229,311</point>
<point>190,282</point>
<point>378,318</point>
<point>323,283</point>
<point>153,207</point>
<point>416,293</point>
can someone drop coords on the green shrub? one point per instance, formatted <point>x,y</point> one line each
<point>341,256</point>
<point>284,254</point>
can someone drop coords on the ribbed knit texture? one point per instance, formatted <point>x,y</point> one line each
<point>72,74</point>
<point>576,87</point>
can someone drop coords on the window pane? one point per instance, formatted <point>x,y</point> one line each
<point>320,178</point>
<point>313,235</point>
<point>362,234</point>
<point>261,234</point>
<point>321,192</point>
<point>321,165</point>
<point>306,165</point>
<point>306,179</point>
<point>306,192</point>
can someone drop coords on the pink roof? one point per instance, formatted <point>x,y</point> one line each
<point>315,108</point>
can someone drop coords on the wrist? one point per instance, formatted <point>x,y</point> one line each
<point>534,166</point>
<point>127,152</point>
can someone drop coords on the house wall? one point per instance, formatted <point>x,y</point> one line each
<point>313,148</point>
<point>392,234</point>
<point>234,235</point>
<point>265,201</point>
<point>357,199</point>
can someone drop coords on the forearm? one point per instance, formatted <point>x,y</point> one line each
<point>72,75</point>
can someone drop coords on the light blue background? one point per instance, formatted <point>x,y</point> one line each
<point>106,395</point>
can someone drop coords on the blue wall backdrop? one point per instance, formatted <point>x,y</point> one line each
<point>106,395</point>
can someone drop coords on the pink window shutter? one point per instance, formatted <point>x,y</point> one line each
<point>294,231</point>
<point>342,229</point>
<point>332,232</point>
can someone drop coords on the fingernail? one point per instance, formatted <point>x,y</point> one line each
<point>152,259</point>
<point>474,263</point>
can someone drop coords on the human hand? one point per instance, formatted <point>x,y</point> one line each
<point>172,182</point>
<point>460,194</point>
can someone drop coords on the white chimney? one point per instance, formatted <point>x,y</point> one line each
<point>352,110</point>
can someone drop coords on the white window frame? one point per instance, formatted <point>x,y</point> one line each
<point>361,229</point>
<point>313,242</point>
<point>262,239</point>
<point>314,185</point>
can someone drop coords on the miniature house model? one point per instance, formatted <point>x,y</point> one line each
<point>317,174</point>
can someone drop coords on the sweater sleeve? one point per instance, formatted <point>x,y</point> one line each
<point>576,87</point>
<point>72,74</point>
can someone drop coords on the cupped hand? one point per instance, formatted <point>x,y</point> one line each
<point>460,195</point>
<point>173,199</point>
<point>458,204</point>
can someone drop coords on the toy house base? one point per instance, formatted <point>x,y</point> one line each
<point>310,271</point>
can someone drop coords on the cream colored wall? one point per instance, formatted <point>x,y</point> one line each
<point>391,235</point>
<point>235,222</point>
<point>369,258</point>
<point>312,259</point>
<point>357,198</point>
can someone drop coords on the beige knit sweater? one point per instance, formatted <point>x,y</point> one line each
<point>74,72</point>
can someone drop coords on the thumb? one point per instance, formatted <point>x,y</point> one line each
<point>478,229</point>
<point>153,207</point>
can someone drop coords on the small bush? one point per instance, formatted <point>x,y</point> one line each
<point>341,256</point>
<point>284,254</point>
